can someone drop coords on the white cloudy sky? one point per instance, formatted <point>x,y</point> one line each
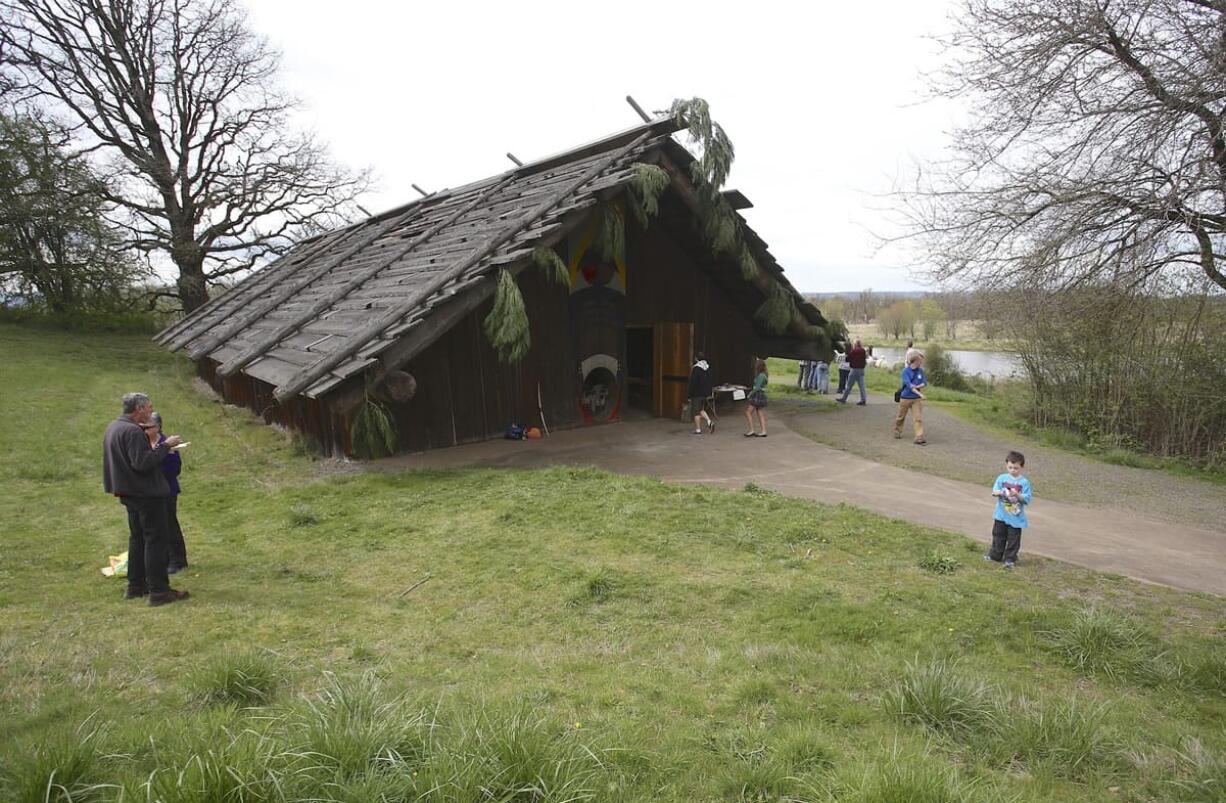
<point>825,103</point>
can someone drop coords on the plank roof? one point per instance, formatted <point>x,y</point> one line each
<point>325,311</point>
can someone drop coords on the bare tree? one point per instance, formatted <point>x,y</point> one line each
<point>1095,151</point>
<point>183,96</point>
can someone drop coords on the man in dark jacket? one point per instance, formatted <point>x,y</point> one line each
<point>700,391</point>
<point>857,358</point>
<point>132,471</point>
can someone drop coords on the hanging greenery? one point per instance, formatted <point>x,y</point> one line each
<point>373,432</point>
<point>550,264</point>
<point>777,312</point>
<point>721,225</point>
<point>749,265</point>
<point>717,151</point>
<point>506,327</point>
<point>611,232</point>
<point>649,182</point>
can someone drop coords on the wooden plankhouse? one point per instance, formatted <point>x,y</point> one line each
<point>578,286</point>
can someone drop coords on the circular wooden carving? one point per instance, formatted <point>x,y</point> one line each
<point>400,386</point>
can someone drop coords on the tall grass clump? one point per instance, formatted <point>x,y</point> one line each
<point>246,679</point>
<point>937,696</point>
<point>1203,774</point>
<point>1097,641</point>
<point>1068,739</point>
<point>910,779</point>
<point>352,727</point>
<point>512,756</point>
<point>60,770</point>
<point>244,767</point>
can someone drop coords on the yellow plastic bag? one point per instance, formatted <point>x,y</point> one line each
<point>118,566</point>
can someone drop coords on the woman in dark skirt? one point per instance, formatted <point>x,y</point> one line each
<point>171,466</point>
<point>757,400</point>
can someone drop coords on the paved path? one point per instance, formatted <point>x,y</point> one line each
<point>1110,540</point>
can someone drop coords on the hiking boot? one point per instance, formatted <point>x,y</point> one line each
<point>157,598</point>
<point>135,592</point>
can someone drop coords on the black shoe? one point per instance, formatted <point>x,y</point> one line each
<point>157,598</point>
<point>861,404</point>
<point>840,401</point>
<point>135,592</point>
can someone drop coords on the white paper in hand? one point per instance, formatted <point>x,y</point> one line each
<point>181,446</point>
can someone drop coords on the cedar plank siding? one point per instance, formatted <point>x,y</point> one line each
<point>465,394</point>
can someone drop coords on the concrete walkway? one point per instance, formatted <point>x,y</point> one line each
<point>1114,541</point>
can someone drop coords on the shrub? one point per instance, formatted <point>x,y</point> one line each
<point>246,679</point>
<point>938,697</point>
<point>301,515</point>
<point>939,562</point>
<point>942,372</point>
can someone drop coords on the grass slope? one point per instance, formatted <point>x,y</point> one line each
<point>583,636</point>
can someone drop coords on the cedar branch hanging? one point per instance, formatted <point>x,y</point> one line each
<point>649,182</point>
<point>506,326</point>
<point>373,433</point>
<point>551,265</point>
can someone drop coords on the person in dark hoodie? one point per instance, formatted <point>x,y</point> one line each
<point>132,471</point>
<point>172,466</point>
<point>700,391</point>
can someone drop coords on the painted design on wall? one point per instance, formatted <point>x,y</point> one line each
<point>598,326</point>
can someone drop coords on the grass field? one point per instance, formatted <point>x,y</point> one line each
<point>582,636</point>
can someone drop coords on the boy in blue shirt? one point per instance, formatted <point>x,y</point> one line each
<point>1012,492</point>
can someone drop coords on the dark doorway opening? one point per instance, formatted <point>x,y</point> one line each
<point>639,366</point>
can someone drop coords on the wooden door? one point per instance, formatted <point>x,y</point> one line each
<point>673,349</point>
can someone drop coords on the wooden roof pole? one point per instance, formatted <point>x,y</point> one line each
<point>312,373</point>
<point>298,283</point>
<point>257,350</point>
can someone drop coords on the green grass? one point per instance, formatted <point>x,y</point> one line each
<point>584,636</point>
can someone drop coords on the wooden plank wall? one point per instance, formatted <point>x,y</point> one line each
<point>465,394</point>
<point>666,284</point>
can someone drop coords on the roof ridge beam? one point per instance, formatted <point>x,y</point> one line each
<point>308,376</point>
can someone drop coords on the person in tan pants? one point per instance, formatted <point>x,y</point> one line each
<point>911,398</point>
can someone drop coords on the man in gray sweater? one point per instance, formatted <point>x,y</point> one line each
<point>132,471</point>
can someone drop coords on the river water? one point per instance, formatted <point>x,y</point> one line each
<point>994,364</point>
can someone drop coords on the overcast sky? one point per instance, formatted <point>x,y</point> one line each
<point>825,103</point>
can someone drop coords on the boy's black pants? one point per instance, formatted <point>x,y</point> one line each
<point>1006,541</point>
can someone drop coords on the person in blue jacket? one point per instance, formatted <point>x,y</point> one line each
<point>172,466</point>
<point>911,398</point>
<point>1013,494</point>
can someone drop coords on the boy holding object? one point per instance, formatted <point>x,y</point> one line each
<point>1012,492</point>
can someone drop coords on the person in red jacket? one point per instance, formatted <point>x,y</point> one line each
<point>857,358</point>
